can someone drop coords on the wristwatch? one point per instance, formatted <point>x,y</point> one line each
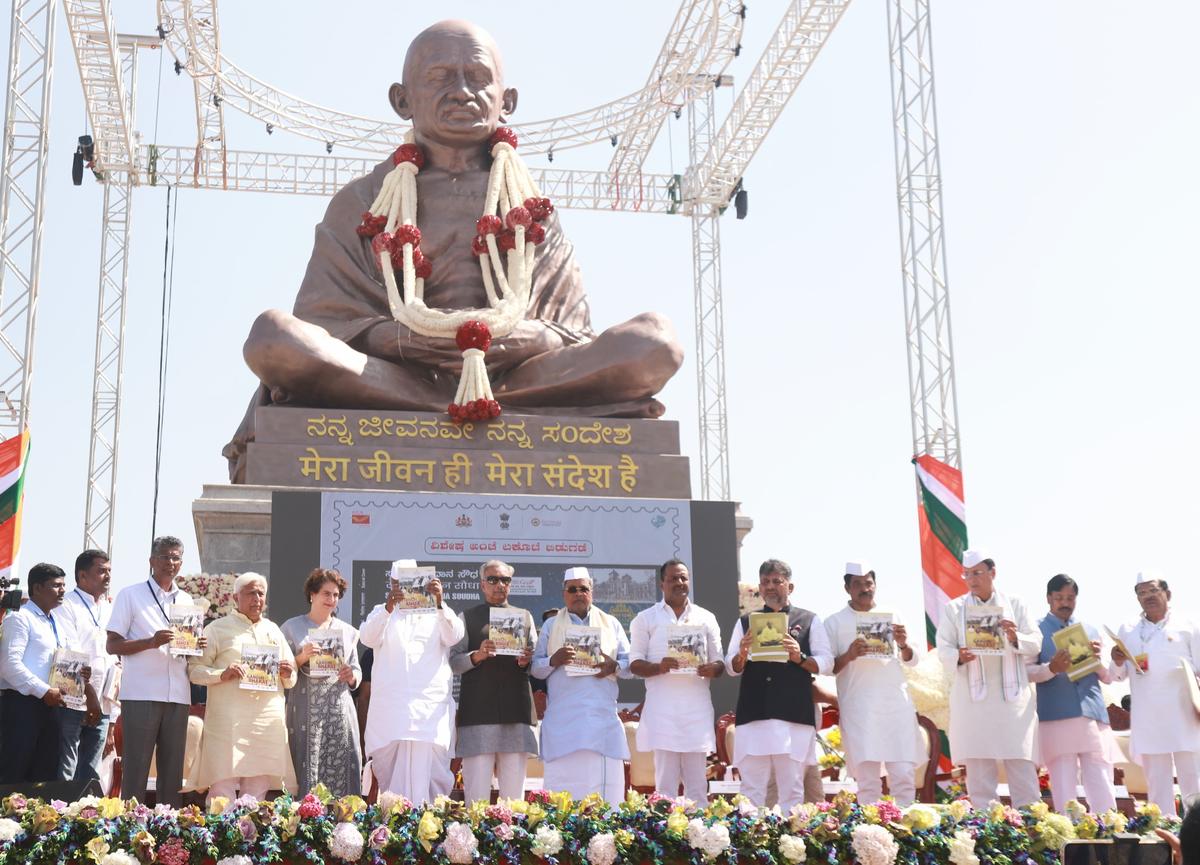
<point>803,658</point>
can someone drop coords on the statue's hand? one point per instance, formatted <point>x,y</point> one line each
<point>527,340</point>
<point>394,342</point>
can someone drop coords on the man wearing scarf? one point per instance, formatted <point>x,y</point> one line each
<point>993,715</point>
<point>583,741</point>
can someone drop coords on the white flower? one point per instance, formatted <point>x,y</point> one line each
<point>712,841</point>
<point>346,842</point>
<point>747,808</point>
<point>873,845</point>
<point>9,829</point>
<point>119,857</point>
<point>231,860</point>
<point>547,841</point>
<point>386,801</point>
<point>602,849</point>
<point>962,849</point>
<point>792,848</point>
<point>460,844</point>
<point>86,802</point>
<point>1074,809</point>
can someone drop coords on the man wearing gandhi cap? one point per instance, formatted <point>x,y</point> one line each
<point>993,715</point>
<point>1164,729</point>
<point>583,742</point>
<point>878,720</point>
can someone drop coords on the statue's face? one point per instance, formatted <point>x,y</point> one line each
<point>452,89</point>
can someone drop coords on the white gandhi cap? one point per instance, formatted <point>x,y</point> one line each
<point>1148,576</point>
<point>858,569</point>
<point>576,574</point>
<point>971,558</point>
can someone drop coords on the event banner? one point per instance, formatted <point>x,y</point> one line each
<point>621,541</point>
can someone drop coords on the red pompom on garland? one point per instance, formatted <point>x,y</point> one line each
<point>408,234</point>
<point>539,208</point>
<point>380,242</point>
<point>518,216</point>
<point>409,153</point>
<point>476,410</point>
<point>503,133</point>
<point>371,225</point>
<point>535,234</point>
<point>489,224</point>
<point>479,246</point>
<point>422,265</point>
<point>473,334</point>
<point>506,240</point>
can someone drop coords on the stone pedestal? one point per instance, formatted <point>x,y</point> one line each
<point>233,528</point>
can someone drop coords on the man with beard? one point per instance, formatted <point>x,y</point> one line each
<point>1074,738</point>
<point>877,717</point>
<point>776,715</point>
<point>1163,729</point>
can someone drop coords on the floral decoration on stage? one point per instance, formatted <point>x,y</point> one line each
<point>214,591</point>
<point>549,829</point>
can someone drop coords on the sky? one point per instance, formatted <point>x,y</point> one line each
<point>1068,138</point>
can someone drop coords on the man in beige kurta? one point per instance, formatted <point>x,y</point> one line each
<point>244,749</point>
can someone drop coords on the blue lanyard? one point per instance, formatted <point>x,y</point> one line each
<point>49,618</point>
<point>95,621</point>
<point>154,595</point>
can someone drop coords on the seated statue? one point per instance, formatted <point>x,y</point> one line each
<point>342,346</point>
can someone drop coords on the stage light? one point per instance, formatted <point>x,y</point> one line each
<point>85,152</point>
<point>550,155</point>
<point>329,147</point>
<point>742,12</point>
<point>737,49</point>
<point>741,204</point>
<point>178,67</point>
<point>613,140</point>
<point>270,128</point>
<point>216,100</point>
<point>678,113</point>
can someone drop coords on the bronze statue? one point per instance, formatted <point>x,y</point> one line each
<point>341,347</point>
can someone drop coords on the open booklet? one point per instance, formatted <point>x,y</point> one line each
<point>1139,662</point>
<point>585,640</point>
<point>67,675</point>
<point>767,631</point>
<point>983,634</point>
<point>876,629</point>
<point>1075,640</point>
<point>329,653</point>
<point>687,644</point>
<point>187,621</point>
<point>508,629</point>
<point>262,667</point>
<point>413,582</point>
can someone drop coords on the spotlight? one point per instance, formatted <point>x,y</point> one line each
<point>737,49</point>
<point>216,100</point>
<point>270,128</point>
<point>329,147</point>
<point>613,140</point>
<point>678,113</point>
<point>178,67</point>
<point>741,203</point>
<point>742,12</point>
<point>550,155</point>
<point>85,152</point>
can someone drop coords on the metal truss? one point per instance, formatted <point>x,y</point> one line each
<point>699,31</point>
<point>22,201</point>
<point>108,369</point>
<point>301,174</point>
<point>710,314</point>
<point>246,93</point>
<point>95,43</point>
<point>933,397</point>
<point>204,33</point>
<point>803,32</point>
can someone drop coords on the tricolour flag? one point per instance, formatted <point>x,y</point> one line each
<point>14,455</point>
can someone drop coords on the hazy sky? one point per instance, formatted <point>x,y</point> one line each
<point>1068,134</point>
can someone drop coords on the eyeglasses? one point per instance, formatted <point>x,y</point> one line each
<point>172,559</point>
<point>575,590</point>
<point>504,581</point>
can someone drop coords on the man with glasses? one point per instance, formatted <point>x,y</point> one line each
<point>495,703</point>
<point>155,693</point>
<point>1163,730</point>
<point>583,741</point>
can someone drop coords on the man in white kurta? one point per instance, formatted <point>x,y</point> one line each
<point>876,714</point>
<point>583,741</point>
<point>677,716</point>
<point>244,748</point>
<point>1163,729</point>
<point>776,714</point>
<point>993,715</point>
<point>410,723</point>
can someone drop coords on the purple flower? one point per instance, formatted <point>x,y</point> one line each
<point>247,828</point>
<point>379,837</point>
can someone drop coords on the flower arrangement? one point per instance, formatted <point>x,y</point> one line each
<point>548,829</point>
<point>214,591</point>
<point>830,743</point>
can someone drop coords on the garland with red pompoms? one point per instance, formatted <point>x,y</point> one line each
<point>504,247</point>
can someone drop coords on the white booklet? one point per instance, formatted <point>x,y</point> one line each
<point>262,667</point>
<point>508,629</point>
<point>329,653</point>
<point>585,640</point>
<point>67,675</point>
<point>876,629</point>
<point>187,621</point>
<point>983,635</point>
<point>687,644</point>
<point>413,582</point>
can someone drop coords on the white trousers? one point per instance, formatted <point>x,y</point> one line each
<point>1097,774</point>
<point>689,768</point>
<point>789,779</point>
<point>1160,779</point>
<point>583,772</point>
<point>983,779</point>
<point>419,771</point>
<point>255,785</point>
<point>901,776</point>
<point>508,768</point>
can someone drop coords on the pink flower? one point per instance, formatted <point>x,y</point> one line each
<point>247,828</point>
<point>504,832</point>
<point>379,837</point>
<point>172,852</point>
<point>889,812</point>
<point>310,806</point>
<point>499,812</point>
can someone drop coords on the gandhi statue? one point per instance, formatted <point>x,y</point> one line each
<point>341,347</point>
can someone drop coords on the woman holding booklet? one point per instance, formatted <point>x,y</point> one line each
<point>321,720</point>
<point>246,666</point>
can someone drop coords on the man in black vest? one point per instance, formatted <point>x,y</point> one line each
<point>495,706</point>
<point>775,712</point>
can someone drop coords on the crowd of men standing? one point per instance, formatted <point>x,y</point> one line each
<point>1009,710</point>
